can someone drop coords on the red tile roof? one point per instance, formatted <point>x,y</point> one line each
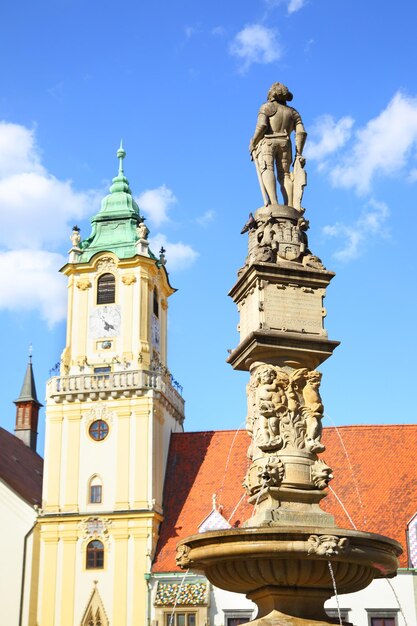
<point>375,478</point>
<point>21,468</point>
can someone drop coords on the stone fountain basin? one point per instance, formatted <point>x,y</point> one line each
<point>250,559</point>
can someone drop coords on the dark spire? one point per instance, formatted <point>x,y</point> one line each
<point>27,409</point>
<point>28,391</point>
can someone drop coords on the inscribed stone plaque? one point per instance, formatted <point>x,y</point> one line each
<point>294,309</point>
<point>249,314</point>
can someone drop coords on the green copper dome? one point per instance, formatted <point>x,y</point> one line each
<point>114,226</point>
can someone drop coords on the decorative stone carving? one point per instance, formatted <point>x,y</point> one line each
<point>142,231</point>
<point>270,147</point>
<point>83,284</point>
<point>75,236</point>
<point>321,474</point>
<point>106,263</point>
<point>95,528</point>
<point>162,257</point>
<point>327,545</point>
<point>309,260</point>
<point>128,279</point>
<point>182,555</point>
<point>264,472</point>
<point>284,409</point>
<point>98,412</point>
<point>274,236</point>
<point>314,411</point>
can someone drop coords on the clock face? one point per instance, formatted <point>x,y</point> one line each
<point>105,321</point>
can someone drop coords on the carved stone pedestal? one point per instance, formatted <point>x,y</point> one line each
<point>281,315</point>
<point>275,507</point>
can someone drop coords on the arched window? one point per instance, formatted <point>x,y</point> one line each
<point>95,555</point>
<point>95,491</point>
<point>106,289</point>
<point>155,302</point>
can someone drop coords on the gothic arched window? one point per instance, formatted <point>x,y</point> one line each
<point>155,302</point>
<point>95,490</point>
<point>106,289</point>
<point>95,555</point>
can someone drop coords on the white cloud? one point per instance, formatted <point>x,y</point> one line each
<point>37,213</point>
<point>18,150</point>
<point>36,207</point>
<point>156,203</point>
<point>206,218</point>
<point>371,222</point>
<point>256,44</point>
<point>381,147</point>
<point>328,136</point>
<point>295,5</point>
<point>29,280</point>
<point>179,255</point>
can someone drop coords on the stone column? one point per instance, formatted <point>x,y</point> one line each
<point>279,295</point>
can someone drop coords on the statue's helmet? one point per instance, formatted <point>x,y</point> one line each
<point>278,92</point>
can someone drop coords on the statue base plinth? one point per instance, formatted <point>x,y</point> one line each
<point>282,211</point>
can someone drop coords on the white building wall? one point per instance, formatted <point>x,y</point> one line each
<point>16,519</point>
<point>397,594</point>
<point>224,603</point>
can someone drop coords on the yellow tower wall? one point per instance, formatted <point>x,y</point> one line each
<point>135,398</point>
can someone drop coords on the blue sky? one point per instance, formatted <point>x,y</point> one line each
<point>181,82</point>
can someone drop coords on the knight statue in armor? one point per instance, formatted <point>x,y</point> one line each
<point>270,148</point>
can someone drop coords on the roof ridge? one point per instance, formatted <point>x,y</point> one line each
<point>344,426</point>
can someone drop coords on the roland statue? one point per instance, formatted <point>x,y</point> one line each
<point>271,149</point>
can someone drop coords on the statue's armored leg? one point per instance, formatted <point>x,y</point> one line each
<point>285,184</point>
<point>266,167</point>
<point>284,176</point>
<point>288,186</point>
<point>268,179</point>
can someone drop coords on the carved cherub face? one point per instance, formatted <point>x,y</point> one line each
<point>282,381</point>
<point>267,375</point>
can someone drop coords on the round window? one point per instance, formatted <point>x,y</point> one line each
<point>99,430</point>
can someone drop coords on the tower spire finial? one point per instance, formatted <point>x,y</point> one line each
<point>121,153</point>
<point>30,352</point>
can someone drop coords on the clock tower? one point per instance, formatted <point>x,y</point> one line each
<point>109,416</point>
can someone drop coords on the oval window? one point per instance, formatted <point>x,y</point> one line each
<point>99,430</point>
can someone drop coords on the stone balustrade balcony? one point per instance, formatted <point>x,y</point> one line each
<point>126,383</point>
